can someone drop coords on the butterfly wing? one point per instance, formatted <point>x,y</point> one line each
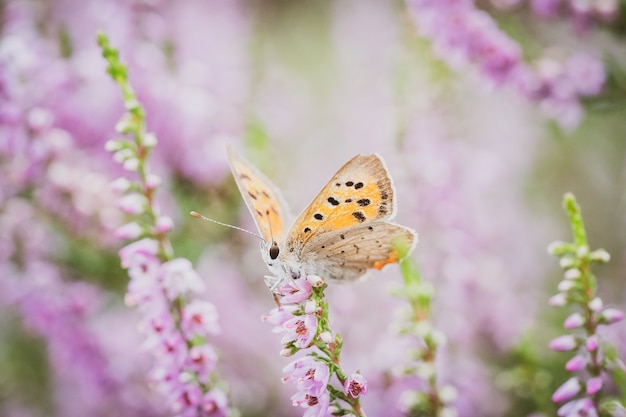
<point>263,199</point>
<point>345,230</point>
<point>359,193</point>
<point>346,254</point>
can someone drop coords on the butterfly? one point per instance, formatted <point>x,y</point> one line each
<point>345,231</point>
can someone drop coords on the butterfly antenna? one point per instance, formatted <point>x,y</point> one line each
<point>200,216</point>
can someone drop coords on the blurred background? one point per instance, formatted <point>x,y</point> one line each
<point>485,113</point>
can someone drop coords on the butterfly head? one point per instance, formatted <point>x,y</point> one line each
<point>274,251</point>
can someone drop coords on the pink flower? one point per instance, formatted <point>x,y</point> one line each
<point>200,318</point>
<point>355,385</point>
<point>129,231</point>
<point>309,375</point>
<point>577,408</point>
<point>563,343</point>
<point>317,406</point>
<point>594,385</point>
<point>215,403</point>
<point>612,315</point>
<point>567,391</point>
<point>574,321</point>
<point>132,203</point>
<point>179,277</point>
<point>202,360</point>
<point>301,330</point>
<point>145,247</point>
<point>295,291</point>
<point>577,363</point>
<point>279,315</point>
<point>592,343</point>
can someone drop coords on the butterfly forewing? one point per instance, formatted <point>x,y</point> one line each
<point>262,198</point>
<point>359,193</point>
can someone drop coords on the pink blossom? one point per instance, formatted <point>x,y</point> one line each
<point>146,247</point>
<point>215,403</point>
<point>594,385</point>
<point>132,203</point>
<point>300,330</point>
<point>279,315</point>
<point>355,385</point>
<point>567,391</point>
<point>591,343</point>
<point>178,277</point>
<point>577,408</point>
<point>612,315</point>
<point>202,360</point>
<point>574,321</point>
<point>128,231</point>
<point>200,318</point>
<point>316,406</point>
<point>295,291</point>
<point>309,375</point>
<point>577,363</point>
<point>563,343</point>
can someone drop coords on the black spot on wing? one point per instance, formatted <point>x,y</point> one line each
<point>349,184</point>
<point>251,194</point>
<point>358,185</point>
<point>333,201</point>
<point>359,216</point>
<point>364,202</point>
<point>307,230</point>
<point>318,216</point>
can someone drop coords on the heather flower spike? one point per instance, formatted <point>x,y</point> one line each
<point>438,398</point>
<point>176,325</point>
<point>594,360</point>
<point>322,385</point>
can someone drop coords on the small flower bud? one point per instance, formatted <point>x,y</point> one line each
<point>131,164</point>
<point>594,385</point>
<point>310,307</point>
<point>132,203</point>
<point>123,154</point>
<point>121,185</point>
<point>592,343</point>
<point>129,231</point>
<point>577,363</point>
<point>596,304</point>
<point>286,352</point>
<point>558,248</point>
<point>448,412</point>
<point>563,343</point>
<point>124,125</point>
<point>153,181</point>
<point>600,255</point>
<point>572,273</point>
<point>164,224</point>
<point>447,394</point>
<point>315,281</point>
<point>439,338</point>
<point>567,391</point>
<point>582,251</point>
<point>612,315</point>
<point>113,145</point>
<point>566,285</point>
<point>558,300</point>
<point>326,337</point>
<point>574,321</point>
<point>149,140</point>
<point>567,262</point>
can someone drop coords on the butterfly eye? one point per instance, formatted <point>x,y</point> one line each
<point>274,250</point>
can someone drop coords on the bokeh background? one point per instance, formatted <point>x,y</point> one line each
<point>484,118</point>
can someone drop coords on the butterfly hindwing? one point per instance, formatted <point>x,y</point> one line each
<point>346,254</point>
<point>261,196</point>
<point>359,193</point>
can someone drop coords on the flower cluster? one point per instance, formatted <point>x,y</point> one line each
<point>463,35</point>
<point>578,290</point>
<point>436,400</point>
<point>302,318</point>
<point>176,326</point>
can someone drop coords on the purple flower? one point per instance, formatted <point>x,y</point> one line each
<point>295,291</point>
<point>144,247</point>
<point>279,315</point>
<point>200,318</point>
<point>310,376</point>
<point>594,385</point>
<point>215,403</point>
<point>592,343</point>
<point>567,391</point>
<point>577,408</point>
<point>355,385</point>
<point>577,363</point>
<point>612,315</point>
<point>564,343</point>
<point>300,330</point>
<point>586,74</point>
<point>202,360</point>
<point>178,277</point>
<point>132,203</point>
<point>574,321</point>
